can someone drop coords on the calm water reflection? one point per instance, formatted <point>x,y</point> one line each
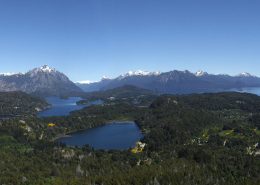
<point>119,135</point>
<point>62,107</point>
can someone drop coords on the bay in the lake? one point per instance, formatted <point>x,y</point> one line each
<point>63,107</point>
<point>118,136</point>
<point>252,90</point>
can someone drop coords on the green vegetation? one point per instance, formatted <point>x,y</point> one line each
<point>192,139</point>
<point>19,103</point>
<point>128,93</point>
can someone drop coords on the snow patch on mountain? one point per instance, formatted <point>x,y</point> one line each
<point>85,82</point>
<point>245,74</point>
<point>46,69</point>
<point>139,73</point>
<point>43,69</point>
<point>7,74</point>
<point>200,73</point>
<point>105,78</point>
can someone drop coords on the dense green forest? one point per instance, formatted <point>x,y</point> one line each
<point>19,103</point>
<point>203,139</point>
<point>127,93</point>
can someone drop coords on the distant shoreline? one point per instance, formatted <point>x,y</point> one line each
<point>69,134</point>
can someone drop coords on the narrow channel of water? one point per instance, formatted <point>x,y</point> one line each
<point>63,107</point>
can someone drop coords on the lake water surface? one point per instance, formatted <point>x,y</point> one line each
<point>62,107</point>
<point>118,135</point>
<point>252,90</point>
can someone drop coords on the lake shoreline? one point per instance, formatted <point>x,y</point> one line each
<point>63,107</point>
<point>110,135</point>
<point>68,134</point>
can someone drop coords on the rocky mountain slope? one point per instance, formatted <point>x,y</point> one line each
<point>181,82</point>
<point>43,81</point>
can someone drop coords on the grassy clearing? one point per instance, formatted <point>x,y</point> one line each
<point>225,133</point>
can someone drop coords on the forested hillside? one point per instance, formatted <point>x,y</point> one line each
<point>19,103</point>
<point>193,139</point>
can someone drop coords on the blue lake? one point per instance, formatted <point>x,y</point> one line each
<point>63,107</point>
<point>118,135</point>
<point>252,90</point>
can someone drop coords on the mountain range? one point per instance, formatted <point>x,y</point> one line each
<point>47,81</point>
<point>177,82</point>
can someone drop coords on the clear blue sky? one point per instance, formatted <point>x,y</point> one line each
<point>87,39</point>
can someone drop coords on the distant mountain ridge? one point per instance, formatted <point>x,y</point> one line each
<point>119,92</point>
<point>177,82</point>
<point>47,81</point>
<point>42,81</point>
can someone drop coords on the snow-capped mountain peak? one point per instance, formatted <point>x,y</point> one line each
<point>200,73</point>
<point>47,69</point>
<point>44,69</point>
<point>42,81</point>
<point>245,74</point>
<point>139,73</point>
<point>105,78</point>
